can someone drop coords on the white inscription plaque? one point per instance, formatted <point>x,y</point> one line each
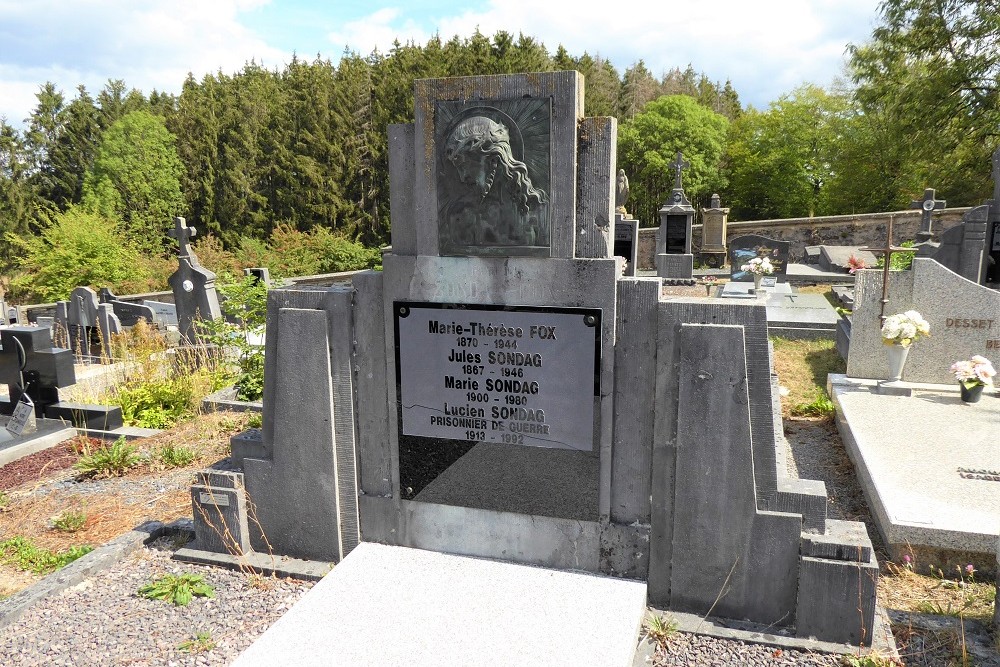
<point>520,376</point>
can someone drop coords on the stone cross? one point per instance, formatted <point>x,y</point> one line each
<point>928,205</point>
<point>887,253</point>
<point>183,234</point>
<point>679,164</point>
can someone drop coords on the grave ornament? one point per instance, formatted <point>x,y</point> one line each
<point>886,252</point>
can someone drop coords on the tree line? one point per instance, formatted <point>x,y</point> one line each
<point>303,149</point>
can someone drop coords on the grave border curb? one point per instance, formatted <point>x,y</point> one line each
<point>98,560</point>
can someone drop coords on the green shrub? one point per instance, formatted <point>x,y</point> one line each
<point>177,588</point>
<point>109,461</point>
<point>245,302</point>
<point>900,261</point>
<point>155,404</point>
<point>256,420</point>
<point>23,554</point>
<point>74,248</point>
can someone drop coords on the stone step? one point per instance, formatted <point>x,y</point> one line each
<point>385,605</point>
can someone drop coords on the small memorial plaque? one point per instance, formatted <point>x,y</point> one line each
<point>507,375</point>
<point>768,281</point>
<point>22,413</point>
<point>217,499</point>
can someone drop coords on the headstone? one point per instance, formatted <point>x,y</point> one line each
<point>12,315</point>
<point>108,325</point>
<point>963,247</point>
<point>713,233</point>
<point>260,273</point>
<point>927,206</point>
<point>30,364</point>
<point>84,336</point>
<point>488,393</point>
<point>838,258</point>
<point>673,238</point>
<point>964,321</point>
<point>744,248</point>
<point>193,285</point>
<point>165,313</point>
<point>127,313</point>
<point>627,242</point>
<point>993,260</point>
<point>3,312</point>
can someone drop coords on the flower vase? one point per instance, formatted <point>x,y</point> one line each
<point>971,394</point>
<point>756,281</point>
<point>897,359</point>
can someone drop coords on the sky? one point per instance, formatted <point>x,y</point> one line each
<point>766,49</point>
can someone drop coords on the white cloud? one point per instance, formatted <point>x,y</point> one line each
<point>147,44</point>
<point>377,31</point>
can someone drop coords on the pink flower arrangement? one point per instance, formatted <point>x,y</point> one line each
<point>974,372</point>
<point>855,263</point>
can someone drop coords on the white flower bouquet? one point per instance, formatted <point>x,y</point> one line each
<point>759,266</point>
<point>904,328</point>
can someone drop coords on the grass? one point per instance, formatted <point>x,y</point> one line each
<point>802,367</point>
<point>25,555</point>
<point>69,521</point>
<point>659,629</point>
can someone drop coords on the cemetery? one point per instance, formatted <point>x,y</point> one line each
<point>518,439</point>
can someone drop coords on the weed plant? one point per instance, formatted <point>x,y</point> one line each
<point>69,521</point>
<point>820,407</point>
<point>110,460</point>
<point>177,588</point>
<point>201,643</point>
<point>159,386</point>
<point>174,456</point>
<point>660,630</point>
<point>245,307</point>
<point>23,554</point>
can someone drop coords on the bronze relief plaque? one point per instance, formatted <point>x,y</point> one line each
<point>493,161</point>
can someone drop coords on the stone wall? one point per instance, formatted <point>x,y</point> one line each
<point>860,229</point>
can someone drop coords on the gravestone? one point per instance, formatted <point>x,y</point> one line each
<point>837,258</point>
<point>165,313</point>
<point>193,285</point>
<point>260,273</point>
<point>30,364</point>
<point>964,320</point>
<point>488,393</point>
<point>713,233</point>
<point>927,206</point>
<point>673,238</point>
<point>963,247</point>
<point>627,242</point>
<point>993,260</point>
<point>128,314</point>
<point>744,248</point>
<point>83,326</point>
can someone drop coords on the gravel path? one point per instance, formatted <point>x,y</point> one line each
<point>687,650</point>
<point>104,622</point>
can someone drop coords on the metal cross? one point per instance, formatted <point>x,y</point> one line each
<point>928,205</point>
<point>183,234</point>
<point>887,252</point>
<point>679,164</point>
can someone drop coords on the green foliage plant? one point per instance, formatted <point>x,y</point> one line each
<point>110,460</point>
<point>177,588</point>
<point>175,456</point>
<point>246,303</point>
<point>660,630</point>
<point>819,407</point>
<point>74,248</point>
<point>200,643</point>
<point>23,554</point>
<point>256,420</point>
<point>69,521</point>
<point>900,261</point>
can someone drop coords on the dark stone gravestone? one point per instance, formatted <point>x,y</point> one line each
<point>260,273</point>
<point>84,332</point>
<point>627,242</point>
<point>128,314</point>
<point>165,313</point>
<point>962,248</point>
<point>193,285</point>
<point>744,248</point>
<point>29,364</point>
<point>714,220</point>
<point>673,239</point>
